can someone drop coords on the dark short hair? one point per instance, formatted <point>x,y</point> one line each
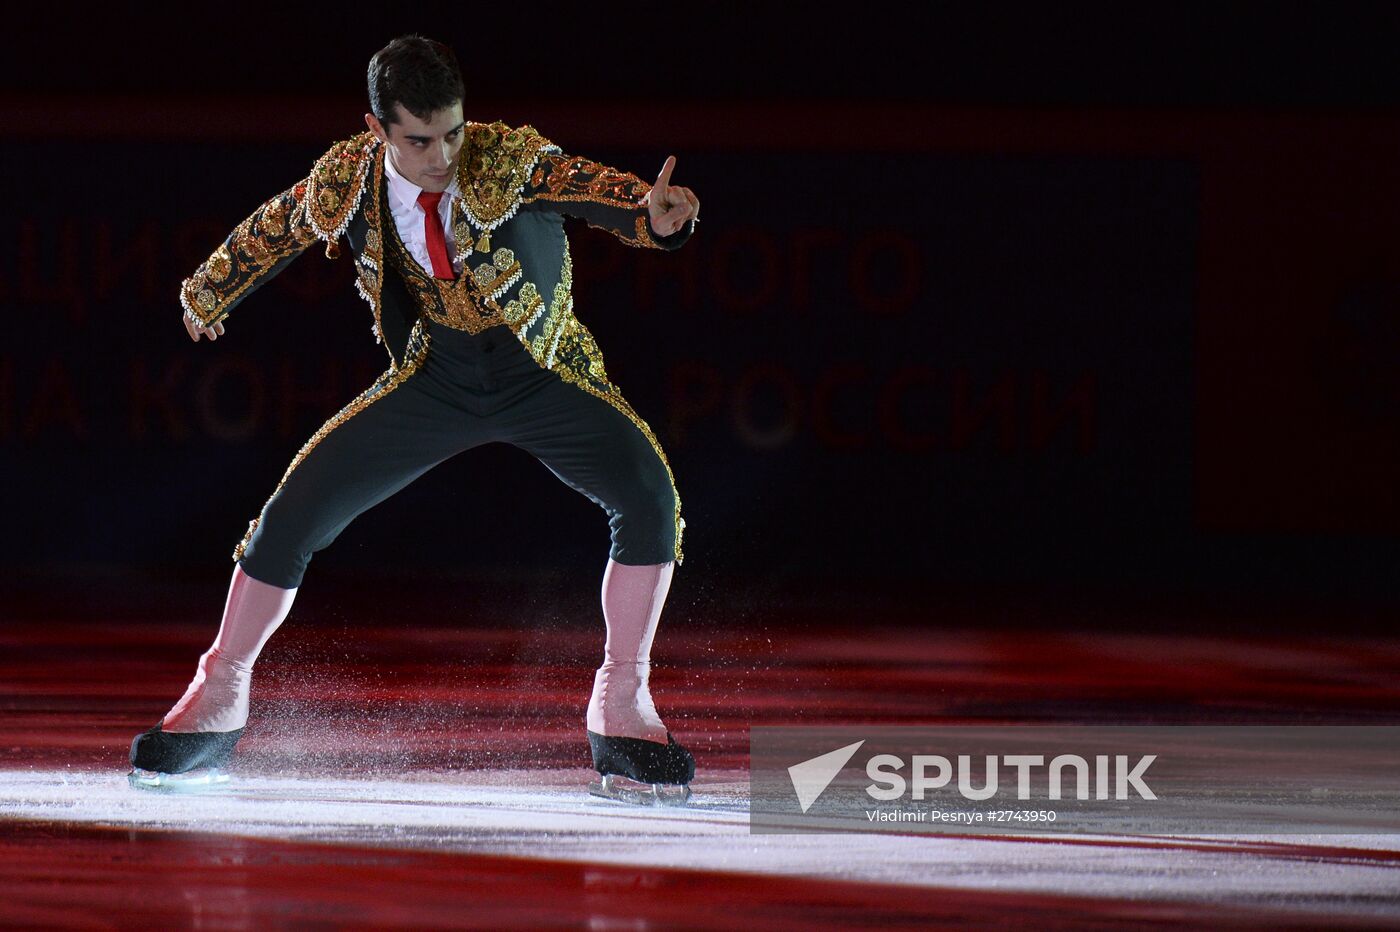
<point>419,73</point>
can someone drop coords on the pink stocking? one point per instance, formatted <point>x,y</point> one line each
<point>632,600</point>
<point>217,699</point>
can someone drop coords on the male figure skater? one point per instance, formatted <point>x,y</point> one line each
<point>456,232</point>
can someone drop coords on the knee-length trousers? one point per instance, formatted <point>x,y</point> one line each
<point>468,390</point>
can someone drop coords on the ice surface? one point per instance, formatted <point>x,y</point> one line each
<point>549,814</point>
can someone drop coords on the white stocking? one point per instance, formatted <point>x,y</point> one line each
<point>217,698</point>
<point>621,705</point>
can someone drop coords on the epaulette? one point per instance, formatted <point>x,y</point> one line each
<point>335,185</point>
<point>493,168</point>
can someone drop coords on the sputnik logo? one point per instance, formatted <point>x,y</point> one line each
<point>811,777</point>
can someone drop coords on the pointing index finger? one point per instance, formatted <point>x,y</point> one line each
<point>664,179</point>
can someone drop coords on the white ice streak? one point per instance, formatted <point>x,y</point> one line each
<point>549,814</point>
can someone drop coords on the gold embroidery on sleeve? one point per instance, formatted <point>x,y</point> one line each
<point>320,206</point>
<point>575,178</point>
<point>276,230</point>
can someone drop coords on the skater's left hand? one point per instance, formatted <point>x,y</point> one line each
<point>670,206</point>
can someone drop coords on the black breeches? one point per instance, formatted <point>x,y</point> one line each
<point>466,391</point>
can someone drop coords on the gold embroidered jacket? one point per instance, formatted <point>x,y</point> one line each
<point>516,188</point>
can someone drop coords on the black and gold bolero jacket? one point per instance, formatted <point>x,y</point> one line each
<point>516,187</point>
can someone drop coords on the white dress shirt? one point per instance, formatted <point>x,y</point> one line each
<point>409,217</point>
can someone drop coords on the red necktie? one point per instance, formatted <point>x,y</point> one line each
<point>437,242</point>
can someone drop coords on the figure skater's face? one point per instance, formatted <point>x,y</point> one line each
<point>424,151</point>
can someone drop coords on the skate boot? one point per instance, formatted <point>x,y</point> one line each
<point>174,762</point>
<point>188,748</point>
<point>192,757</point>
<point>636,757</point>
<point>638,770</point>
<point>641,772</point>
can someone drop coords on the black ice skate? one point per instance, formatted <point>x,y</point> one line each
<point>641,772</point>
<point>171,761</point>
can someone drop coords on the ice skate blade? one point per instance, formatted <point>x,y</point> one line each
<point>196,781</point>
<point>633,793</point>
